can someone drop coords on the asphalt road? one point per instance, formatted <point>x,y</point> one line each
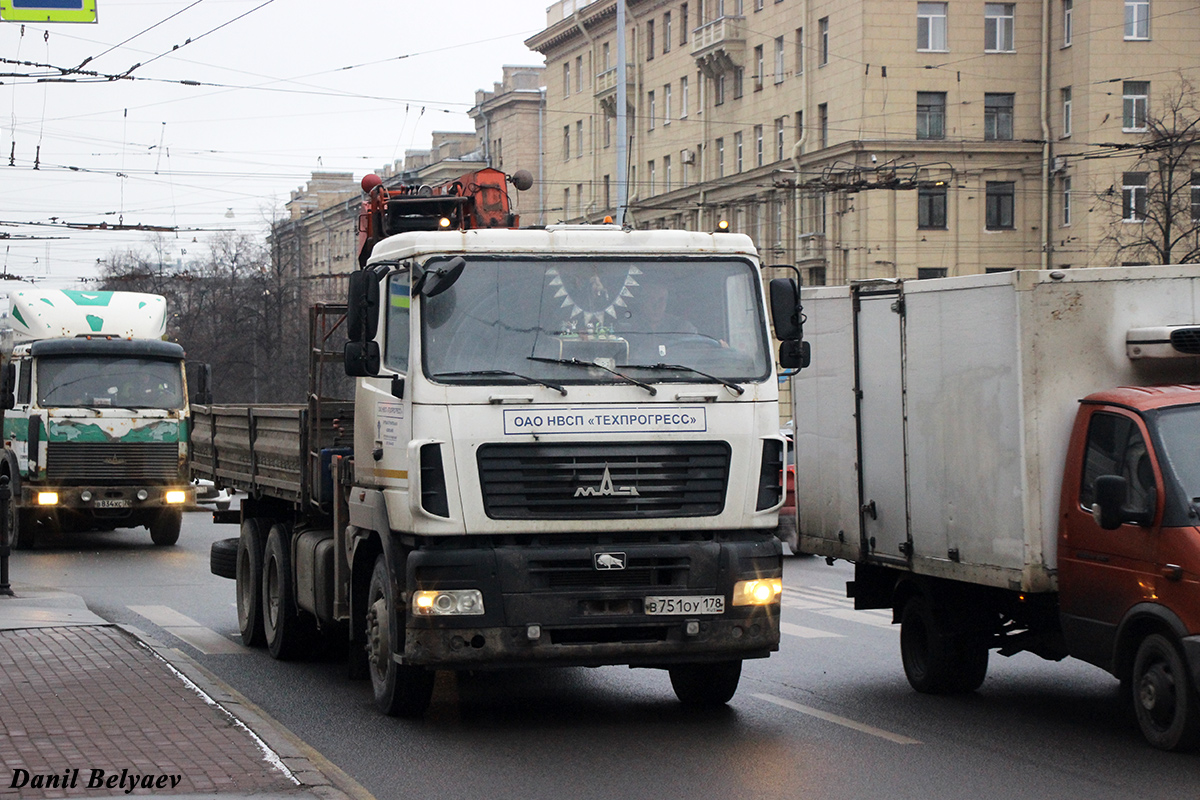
<point>830,716</point>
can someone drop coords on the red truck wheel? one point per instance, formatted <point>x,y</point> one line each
<point>1164,699</point>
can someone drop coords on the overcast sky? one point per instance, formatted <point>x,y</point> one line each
<point>286,87</point>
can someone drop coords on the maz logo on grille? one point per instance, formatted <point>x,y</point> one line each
<point>605,561</point>
<point>114,461</point>
<point>606,488</point>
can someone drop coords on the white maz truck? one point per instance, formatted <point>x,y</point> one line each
<point>1012,462</point>
<point>563,449</point>
<point>96,435</point>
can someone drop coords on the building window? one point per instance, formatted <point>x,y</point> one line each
<point>823,124</point>
<point>799,126</point>
<point>666,173</point>
<point>566,79</point>
<point>931,115</point>
<point>667,32</point>
<point>1068,9</point>
<point>779,68</point>
<point>650,172</point>
<point>799,51</point>
<point>1133,196</point>
<point>931,27</point>
<point>607,131</point>
<point>758,5</point>
<point>566,142</point>
<point>1136,106</point>
<point>667,104</point>
<point>1001,198</point>
<point>927,273</point>
<point>737,151</point>
<point>779,135</point>
<point>652,109</point>
<point>719,89</point>
<point>578,74</point>
<point>997,117</point>
<point>607,191</point>
<point>579,139</point>
<point>649,40</point>
<point>739,75</point>
<point>720,158</point>
<point>1065,182</point>
<point>1137,19</point>
<point>683,97</point>
<point>823,41</point>
<point>998,21</point>
<point>1196,197</point>
<point>931,207</point>
<point>758,145</point>
<point>579,199</point>
<point>759,66</point>
<point>683,23</point>
<point>1066,111</point>
<point>605,56</point>
<point>566,209</point>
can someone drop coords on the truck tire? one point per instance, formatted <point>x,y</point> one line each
<point>22,525</point>
<point>1164,699</point>
<point>972,657</point>
<point>706,685</point>
<point>401,690</point>
<point>248,573</point>
<point>222,558</point>
<point>164,530</point>
<point>285,630</point>
<point>929,663</point>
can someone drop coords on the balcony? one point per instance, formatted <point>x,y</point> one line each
<point>719,46</point>
<point>606,89</point>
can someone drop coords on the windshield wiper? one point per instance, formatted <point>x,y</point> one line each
<point>579,363</point>
<point>682,368</point>
<point>467,373</point>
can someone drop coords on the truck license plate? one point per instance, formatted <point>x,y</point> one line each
<point>121,503</point>
<point>670,606</point>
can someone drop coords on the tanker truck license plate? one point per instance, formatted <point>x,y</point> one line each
<point>704,604</point>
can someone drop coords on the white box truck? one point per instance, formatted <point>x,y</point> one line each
<point>1012,461</point>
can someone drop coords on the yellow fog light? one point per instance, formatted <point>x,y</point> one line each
<point>47,498</point>
<point>174,497</point>
<point>760,592</point>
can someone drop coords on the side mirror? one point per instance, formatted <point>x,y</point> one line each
<point>202,392</point>
<point>362,305</point>
<point>8,386</point>
<point>431,283</point>
<point>1109,509</point>
<point>785,308</point>
<point>794,354</point>
<point>361,359</point>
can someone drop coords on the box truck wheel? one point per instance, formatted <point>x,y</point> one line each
<point>164,530</point>
<point>401,690</point>
<point>927,655</point>
<point>248,573</point>
<point>286,630</point>
<point>706,684</point>
<point>1164,699</point>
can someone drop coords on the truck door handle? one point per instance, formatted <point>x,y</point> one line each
<point>1173,572</point>
<point>869,510</point>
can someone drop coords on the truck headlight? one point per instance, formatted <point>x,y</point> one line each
<point>758,592</point>
<point>175,497</point>
<point>448,602</point>
<point>47,498</point>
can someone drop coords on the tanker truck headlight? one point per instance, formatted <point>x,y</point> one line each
<point>175,497</point>
<point>760,592</point>
<point>47,498</point>
<point>448,602</point>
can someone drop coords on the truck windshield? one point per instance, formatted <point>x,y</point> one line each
<point>1179,432</point>
<point>99,382</point>
<point>539,318</point>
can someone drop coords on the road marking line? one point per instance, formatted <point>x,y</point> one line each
<point>836,720</point>
<point>803,605</point>
<point>205,640</point>
<point>807,633</point>
<point>865,617</point>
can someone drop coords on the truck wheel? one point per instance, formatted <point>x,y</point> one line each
<point>1164,699</point>
<point>248,574</point>
<point>400,690</point>
<point>972,666</point>
<point>706,685</point>
<point>21,524</point>
<point>284,629</point>
<point>222,558</point>
<point>929,664</point>
<point>164,530</point>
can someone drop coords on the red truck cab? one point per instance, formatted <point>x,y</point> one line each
<point>1129,551</point>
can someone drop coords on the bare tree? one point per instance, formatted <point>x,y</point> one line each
<point>1156,208</point>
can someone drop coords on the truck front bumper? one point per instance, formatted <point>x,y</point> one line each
<point>569,605</point>
<point>115,502</point>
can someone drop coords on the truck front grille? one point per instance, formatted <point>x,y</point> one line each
<point>604,481</point>
<point>113,462</point>
<point>581,573</point>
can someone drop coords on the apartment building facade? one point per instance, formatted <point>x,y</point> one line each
<point>867,139</point>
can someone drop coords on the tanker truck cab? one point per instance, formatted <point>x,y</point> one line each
<point>566,452</point>
<point>1129,550</point>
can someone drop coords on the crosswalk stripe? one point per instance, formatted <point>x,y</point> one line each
<point>806,633</point>
<point>205,640</point>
